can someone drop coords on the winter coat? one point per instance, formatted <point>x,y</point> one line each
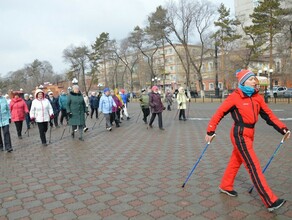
<point>4,112</point>
<point>144,101</point>
<point>63,101</point>
<point>182,100</point>
<point>41,109</point>
<point>18,109</point>
<point>94,101</point>
<point>118,104</point>
<point>125,98</point>
<point>106,104</point>
<point>76,109</point>
<point>155,103</point>
<point>55,105</point>
<point>117,94</point>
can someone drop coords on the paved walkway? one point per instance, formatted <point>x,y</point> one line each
<point>135,173</point>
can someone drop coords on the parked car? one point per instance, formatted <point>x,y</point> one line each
<point>278,91</point>
<point>288,93</point>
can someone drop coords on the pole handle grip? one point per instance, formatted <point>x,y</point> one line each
<point>285,136</point>
<point>213,136</point>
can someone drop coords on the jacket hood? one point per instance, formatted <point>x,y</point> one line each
<point>37,92</point>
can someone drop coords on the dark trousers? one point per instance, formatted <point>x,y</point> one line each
<point>18,125</point>
<point>27,120</point>
<point>146,112</point>
<point>182,114</point>
<point>114,118</point>
<point>159,119</point>
<point>56,116</point>
<point>94,110</point>
<point>7,139</point>
<point>43,128</point>
<point>63,115</point>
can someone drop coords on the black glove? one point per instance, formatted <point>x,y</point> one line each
<point>163,108</point>
<point>180,104</point>
<point>69,114</point>
<point>9,120</point>
<point>87,113</point>
<point>189,100</point>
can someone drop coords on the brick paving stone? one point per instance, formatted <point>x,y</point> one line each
<point>140,177</point>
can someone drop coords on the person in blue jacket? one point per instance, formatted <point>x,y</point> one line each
<point>106,104</point>
<point>4,124</point>
<point>63,105</point>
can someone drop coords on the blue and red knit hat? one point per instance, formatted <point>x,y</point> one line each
<point>243,74</point>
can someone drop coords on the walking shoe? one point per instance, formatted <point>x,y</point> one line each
<point>109,128</point>
<point>72,134</point>
<point>276,205</point>
<point>230,193</point>
<point>10,150</point>
<point>20,137</point>
<point>45,144</point>
<point>81,139</point>
<point>128,118</point>
<point>85,129</point>
<point>150,126</point>
<point>161,129</point>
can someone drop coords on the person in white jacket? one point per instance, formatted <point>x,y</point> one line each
<point>41,112</point>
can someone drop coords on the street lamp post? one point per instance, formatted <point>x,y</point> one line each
<point>271,82</point>
<point>155,80</point>
<point>266,90</point>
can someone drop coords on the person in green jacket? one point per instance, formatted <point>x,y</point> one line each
<point>76,110</point>
<point>144,103</point>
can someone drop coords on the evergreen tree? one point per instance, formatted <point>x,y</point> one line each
<point>225,35</point>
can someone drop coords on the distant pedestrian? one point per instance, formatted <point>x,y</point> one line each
<point>4,124</point>
<point>125,98</point>
<point>144,103</point>
<point>76,110</point>
<point>28,103</point>
<point>245,104</point>
<point>182,100</point>
<point>106,104</point>
<point>86,100</point>
<point>18,109</point>
<point>94,103</point>
<point>168,99</point>
<point>156,106</point>
<point>114,116</point>
<point>56,109</point>
<point>63,105</point>
<point>41,112</point>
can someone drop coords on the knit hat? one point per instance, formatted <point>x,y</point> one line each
<point>143,90</point>
<point>243,74</point>
<point>154,88</point>
<point>106,90</point>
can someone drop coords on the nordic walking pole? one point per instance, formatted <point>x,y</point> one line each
<point>274,154</point>
<point>176,113</point>
<point>138,116</point>
<point>50,132</point>
<point>194,167</point>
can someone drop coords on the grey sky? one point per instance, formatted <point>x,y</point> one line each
<point>42,29</point>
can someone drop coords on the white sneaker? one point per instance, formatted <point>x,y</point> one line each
<point>109,129</point>
<point>85,129</point>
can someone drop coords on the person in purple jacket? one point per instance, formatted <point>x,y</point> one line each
<point>156,107</point>
<point>114,116</point>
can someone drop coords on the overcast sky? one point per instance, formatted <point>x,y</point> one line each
<point>42,29</point>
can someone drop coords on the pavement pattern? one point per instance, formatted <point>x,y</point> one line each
<point>136,173</point>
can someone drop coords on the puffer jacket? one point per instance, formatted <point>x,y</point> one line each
<point>4,112</point>
<point>106,104</point>
<point>41,109</point>
<point>18,109</point>
<point>156,103</point>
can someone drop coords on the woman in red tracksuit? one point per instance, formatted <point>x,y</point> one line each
<point>245,105</point>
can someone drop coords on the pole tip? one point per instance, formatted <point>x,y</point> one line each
<point>183,186</point>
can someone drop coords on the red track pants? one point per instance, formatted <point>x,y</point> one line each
<point>243,153</point>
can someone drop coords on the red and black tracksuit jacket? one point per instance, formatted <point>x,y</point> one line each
<point>245,111</point>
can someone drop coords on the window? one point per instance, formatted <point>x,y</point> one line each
<point>210,65</point>
<point>211,86</point>
<point>220,85</point>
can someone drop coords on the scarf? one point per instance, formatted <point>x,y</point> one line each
<point>249,91</point>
